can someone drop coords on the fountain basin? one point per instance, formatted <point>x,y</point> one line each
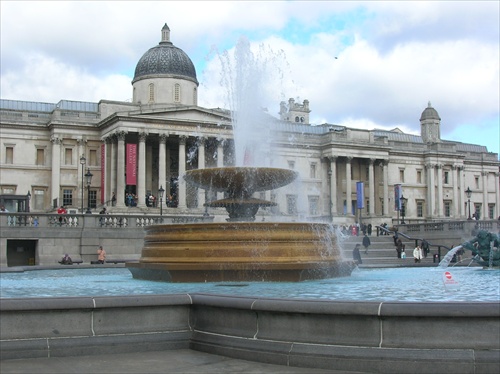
<point>240,251</point>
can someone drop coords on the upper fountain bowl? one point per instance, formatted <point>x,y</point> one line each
<point>240,181</point>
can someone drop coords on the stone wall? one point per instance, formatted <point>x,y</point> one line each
<point>375,337</point>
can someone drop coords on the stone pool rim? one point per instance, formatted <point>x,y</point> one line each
<point>363,336</point>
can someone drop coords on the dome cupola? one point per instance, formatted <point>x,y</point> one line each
<point>165,74</point>
<point>430,125</point>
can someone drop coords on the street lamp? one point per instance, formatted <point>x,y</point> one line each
<point>83,161</point>
<point>161,191</point>
<point>468,192</point>
<point>403,201</point>
<point>88,182</point>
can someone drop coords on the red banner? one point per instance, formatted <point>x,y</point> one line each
<point>103,171</point>
<point>131,169</point>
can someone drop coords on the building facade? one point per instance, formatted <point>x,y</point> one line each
<point>132,149</point>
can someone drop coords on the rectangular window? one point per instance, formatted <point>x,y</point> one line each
<point>67,197</point>
<point>9,155</point>
<point>291,204</point>
<point>177,93</point>
<point>40,156</point>
<point>313,205</point>
<point>68,156</point>
<point>291,165</point>
<point>93,199</point>
<point>476,181</point>
<point>447,209</point>
<point>8,190</point>
<point>38,199</point>
<point>367,174</point>
<point>491,211</point>
<point>93,157</point>
<point>312,172</point>
<point>419,176</point>
<point>420,208</point>
<point>401,175</point>
<point>446,177</point>
<point>382,205</point>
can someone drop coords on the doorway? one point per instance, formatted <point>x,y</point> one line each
<point>21,252</point>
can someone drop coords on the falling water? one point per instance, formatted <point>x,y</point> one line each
<point>445,262</point>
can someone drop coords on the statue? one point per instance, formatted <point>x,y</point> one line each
<point>481,246</point>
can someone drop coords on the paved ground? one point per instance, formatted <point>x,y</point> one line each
<point>183,361</point>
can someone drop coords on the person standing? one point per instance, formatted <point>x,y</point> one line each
<point>399,247</point>
<point>366,243</point>
<point>356,256</point>
<point>417,254</point>
<point>101,255</point>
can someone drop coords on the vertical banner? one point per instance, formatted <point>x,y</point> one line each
<point>398,192</point>
<point>103,172</point>
<point>131,159</point>
<point>360,194</point>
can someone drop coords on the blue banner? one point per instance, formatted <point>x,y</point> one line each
<point>398,192</point>
<point>360,193</point>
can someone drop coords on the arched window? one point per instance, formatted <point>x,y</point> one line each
<point>195,96</point>
<point>151,93</point>
<point>177,93</point>
<point>297,119</point>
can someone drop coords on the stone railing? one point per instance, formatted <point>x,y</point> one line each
<point>117,221</point>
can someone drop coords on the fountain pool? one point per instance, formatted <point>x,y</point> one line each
<point>393,284</point>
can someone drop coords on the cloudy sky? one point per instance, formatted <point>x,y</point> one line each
<point>360,64</point>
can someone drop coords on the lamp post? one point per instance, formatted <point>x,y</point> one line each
<point>161,191</point>
<point>403,201</point>
<point>468,192</point>
<point>83,161</point>
<point>88,182</point>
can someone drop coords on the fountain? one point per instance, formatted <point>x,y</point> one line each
<point>486,247</point>
<point>240,249</point>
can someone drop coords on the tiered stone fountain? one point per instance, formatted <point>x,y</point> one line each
<point>240,249</point>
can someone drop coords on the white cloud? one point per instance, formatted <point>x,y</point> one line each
<point>393,57</point>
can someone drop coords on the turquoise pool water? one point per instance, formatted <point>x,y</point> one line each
<point>394,284</point>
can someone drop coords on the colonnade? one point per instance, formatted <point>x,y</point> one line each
<point>378,186</point>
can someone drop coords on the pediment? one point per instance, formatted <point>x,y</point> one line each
<point>194,114</point>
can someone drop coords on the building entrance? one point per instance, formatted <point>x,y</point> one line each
<point>21,252</point>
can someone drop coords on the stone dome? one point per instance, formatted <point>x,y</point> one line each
<point>429,113</point>
<point>165,59</point>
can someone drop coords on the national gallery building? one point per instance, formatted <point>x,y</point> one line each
<point>133,149</point>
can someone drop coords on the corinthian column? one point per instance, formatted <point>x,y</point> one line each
<point>120,170</point>
<point>333,185</point>
<point>162,159</point>
<point>385,172</point>
<point>141,172</point>
<point>371,185</point>
<point>201,165</point>
<point>182,171</point>
<point>348,186</point>
<point>56,169</point>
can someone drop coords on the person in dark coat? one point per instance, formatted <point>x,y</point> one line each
<point>366,243</point>
<point>356,256</point>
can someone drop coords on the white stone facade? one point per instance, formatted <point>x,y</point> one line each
<point>41,146</point>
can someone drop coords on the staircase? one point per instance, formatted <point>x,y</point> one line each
<point>382,252</point>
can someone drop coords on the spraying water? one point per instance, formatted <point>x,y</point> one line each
<point>252,81</point>
<point>445,262</point>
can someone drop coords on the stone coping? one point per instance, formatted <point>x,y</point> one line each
<point>377,337</point>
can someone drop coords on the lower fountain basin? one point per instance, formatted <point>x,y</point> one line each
<point>240,251</point>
